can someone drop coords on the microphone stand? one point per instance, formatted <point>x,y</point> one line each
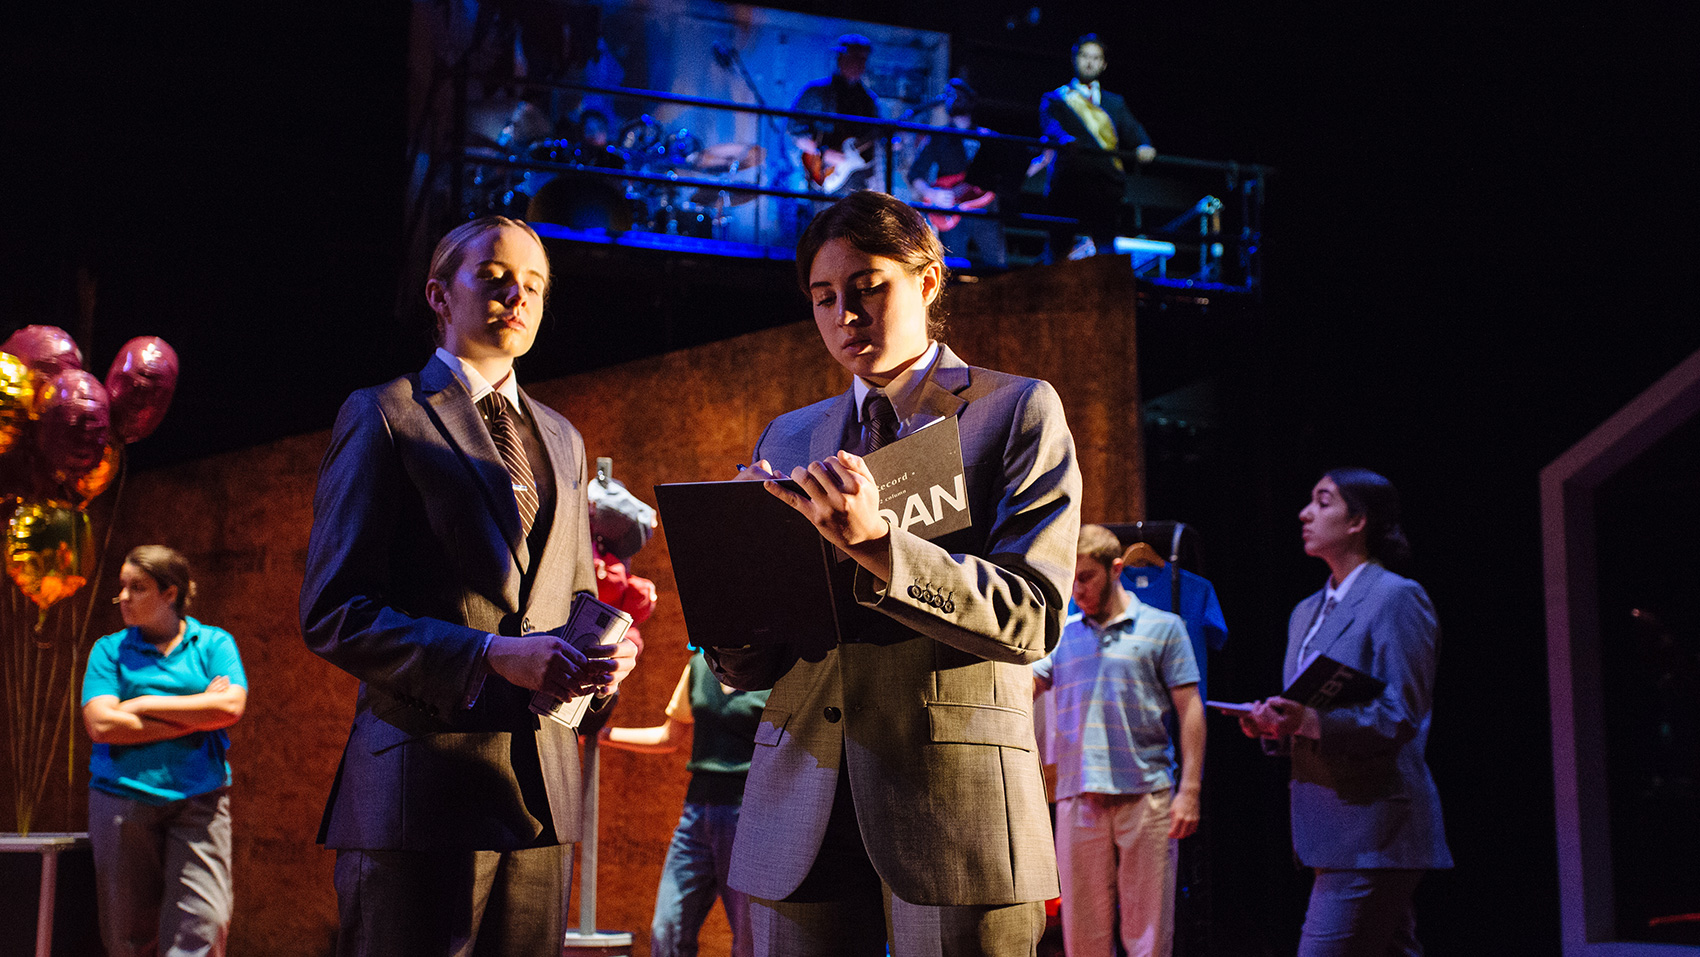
<point>784,167</point>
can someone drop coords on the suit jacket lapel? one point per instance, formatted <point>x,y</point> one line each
<point>939,393</point>
<point>936,398</point>
<point>828,435</point>
<point>563,524</point>
<point>1335,624</point>
<point>452,407</point>
<point>1301,623</point>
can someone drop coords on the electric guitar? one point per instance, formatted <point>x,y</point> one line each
<point>829,169</point>
<point>963,195</point>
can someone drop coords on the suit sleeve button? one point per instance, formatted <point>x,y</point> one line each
<point>832,715</point>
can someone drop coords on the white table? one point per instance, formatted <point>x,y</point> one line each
<point>49,846</point>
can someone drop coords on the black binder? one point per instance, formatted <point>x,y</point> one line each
<point>751,570</point>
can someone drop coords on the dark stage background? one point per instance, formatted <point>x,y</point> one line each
<point>1479,245</point>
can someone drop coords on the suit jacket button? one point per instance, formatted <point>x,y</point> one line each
<point>525,626</point>
<point>832,715</point>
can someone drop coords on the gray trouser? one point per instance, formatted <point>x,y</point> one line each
<point>844,909</point>
<point>1361,913</point>
<point>162,873</point>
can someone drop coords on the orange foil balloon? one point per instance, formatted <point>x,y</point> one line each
<point>49,552</point>
<point>17,398</point>
<point>90,484</point>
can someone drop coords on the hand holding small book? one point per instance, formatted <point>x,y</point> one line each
<point>1324,683</point>
<point>1274,717</point>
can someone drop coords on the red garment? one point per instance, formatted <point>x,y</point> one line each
<point>616,585</point>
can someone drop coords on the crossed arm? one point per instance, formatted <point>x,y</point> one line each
<point>148,718</point>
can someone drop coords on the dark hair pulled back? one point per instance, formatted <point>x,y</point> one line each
<point>1372,496</point>
<point>879,225</point>
<point>168,568</point>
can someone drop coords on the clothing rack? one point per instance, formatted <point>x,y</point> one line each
<point>1177,541</point>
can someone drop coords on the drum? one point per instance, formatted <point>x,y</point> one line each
<point>551,151</point>
<point>642,141</point>
<point>542,151</point>
<point>682,148</point>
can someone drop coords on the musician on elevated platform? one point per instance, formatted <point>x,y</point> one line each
<point>939,177</point>
<point>839,158</point>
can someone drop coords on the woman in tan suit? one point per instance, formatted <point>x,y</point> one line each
<point>898,766</point>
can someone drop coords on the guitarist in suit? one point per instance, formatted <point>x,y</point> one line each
<point>1086,183</point>
<point>839,158</point>
<point>939,177</point>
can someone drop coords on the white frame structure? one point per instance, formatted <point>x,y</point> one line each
<point>1568,485</point>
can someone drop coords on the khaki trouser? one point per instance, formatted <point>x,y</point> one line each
<point>1115,848</point>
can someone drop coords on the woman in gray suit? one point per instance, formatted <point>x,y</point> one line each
<point>1365,813</point>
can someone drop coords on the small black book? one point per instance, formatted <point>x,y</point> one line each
<point>1327,683</point>
<point>751,570</point>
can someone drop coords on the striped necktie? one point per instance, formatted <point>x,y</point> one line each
<point>499,418</point>
<point>879,421</point>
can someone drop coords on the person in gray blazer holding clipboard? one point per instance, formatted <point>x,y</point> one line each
<point>895,791</point>
<point>1365,812</point>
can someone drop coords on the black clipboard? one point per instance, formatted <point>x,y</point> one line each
<point>751,570</point>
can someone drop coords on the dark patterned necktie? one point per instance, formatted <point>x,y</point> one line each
<point>879,421</point>
<point>506,435</point>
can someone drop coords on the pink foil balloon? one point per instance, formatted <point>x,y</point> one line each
<point>141,382</point>
<point>74,419</point>
<point>49,350</point>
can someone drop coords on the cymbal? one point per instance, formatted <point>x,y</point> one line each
<point>711,197</point>
<point>725,157</point>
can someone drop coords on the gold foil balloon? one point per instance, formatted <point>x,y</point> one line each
<point>90,484</point>
<point>17,398</point>
<point>49,552</point>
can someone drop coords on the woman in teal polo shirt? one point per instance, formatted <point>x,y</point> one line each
<point>157,697</point>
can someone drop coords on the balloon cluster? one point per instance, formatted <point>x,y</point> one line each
<point>62,438</point>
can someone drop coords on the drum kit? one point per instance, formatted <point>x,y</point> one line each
<point>588,201</point>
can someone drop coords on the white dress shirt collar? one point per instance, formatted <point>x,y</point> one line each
<point>1330,593</point>
<point>904,389</point>
<point>479,387</point>
<point>1338,594</point>
<point>1090,89</point>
